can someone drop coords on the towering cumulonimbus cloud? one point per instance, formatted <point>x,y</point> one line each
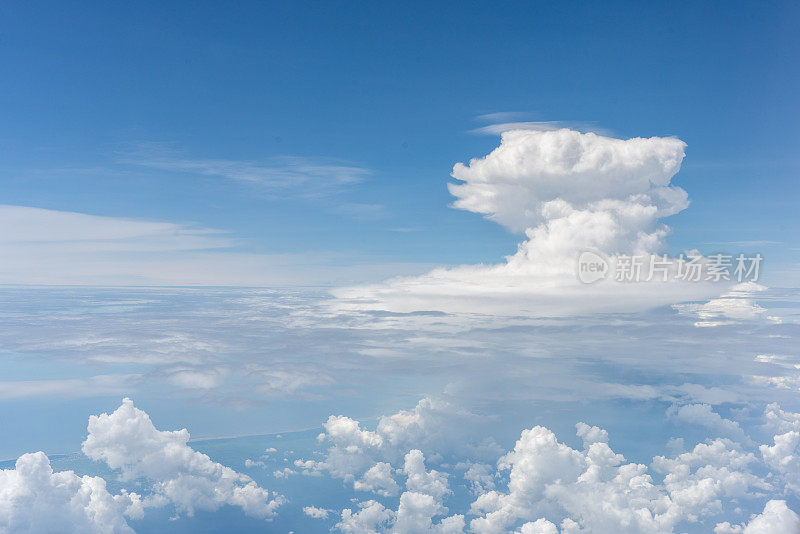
<point>568,192</point>
<point>515,183</point>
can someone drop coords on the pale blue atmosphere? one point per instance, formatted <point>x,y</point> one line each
<point>344,246</point>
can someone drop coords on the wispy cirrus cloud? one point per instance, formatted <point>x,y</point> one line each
<point>68,387</point>
<point>505,121</point>
<point>298,176</point>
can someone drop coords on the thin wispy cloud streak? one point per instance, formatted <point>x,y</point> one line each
<point>285,175</point>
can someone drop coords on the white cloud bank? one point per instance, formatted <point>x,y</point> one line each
<point>540,486</point>
<point>128,441</point>
<point>777,517</point>
<point>53,247</point>
<point>34,499</point>
<point>568,192</point>
<point>551,488</point>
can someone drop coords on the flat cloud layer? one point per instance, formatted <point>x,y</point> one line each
<point>52,247</point>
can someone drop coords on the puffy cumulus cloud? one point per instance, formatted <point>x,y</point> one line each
<point>371,516</point>
<point>316,513</point>
<point>34,499</point>
<point>419,506</point>
<point>777,517</point>
<point>419,480</point>
<point>778,420</point>
<point>479,476</point>
<point>591,434</point>
<point>545,486</point>
<point>378,479</point>
<point>414,515</point>
<point>365,457</point>
<point>568,192</point>
<point>698,480</point>
<point>128,441</point>
<point>513,184</point>
<point>540,526</point>
<point>598,492</point>
<point>703,415</point>
<point>783,456</point>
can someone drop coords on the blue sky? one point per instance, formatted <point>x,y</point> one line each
<point>394,90</point>
<point>337,245</point>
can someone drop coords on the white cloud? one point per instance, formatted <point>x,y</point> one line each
<point>364,457</point>
<point>36,500</point>
<point>36,226</point>
<point>515,184</point>
<point>371,516</point>
<point>128,441</point>
<point>316,513</point>
<point>598,492</point>
<point>735,306</point>
<point>287,175</point>
<point>68,387</point>
<point>591,434</point>
<point>568,192</point>
<point>61,247</point>
<point>704,415</point>
<point>778,420</point>
<point>378,479</point>
<point>507,122</point>
<point>254,463</point>
<point>416,512</point>
<point>725,311</point>
<point>419,505</point>
<point>480,476</point>
<point>540,526</point>
<point>420,480</point>
<point>783,456</point>
<point>777,517</point>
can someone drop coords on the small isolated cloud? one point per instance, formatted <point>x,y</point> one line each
<point>568,192</point>
<point>733,307</point>
<point>316,513</point>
